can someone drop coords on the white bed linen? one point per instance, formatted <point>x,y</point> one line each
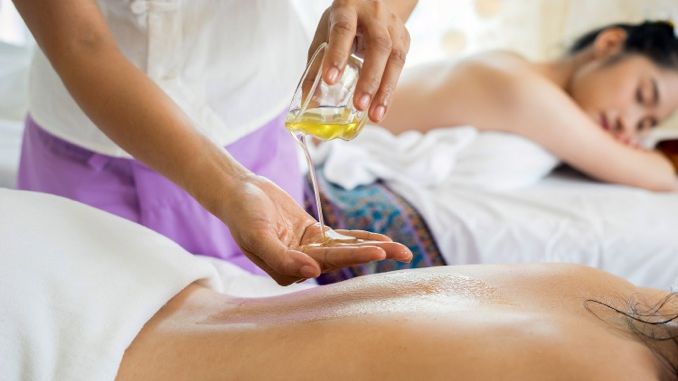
<point>565,218</point>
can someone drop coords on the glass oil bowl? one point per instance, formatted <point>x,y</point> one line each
<point>326,111</point>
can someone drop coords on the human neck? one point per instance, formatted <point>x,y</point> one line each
<point>562,70</point>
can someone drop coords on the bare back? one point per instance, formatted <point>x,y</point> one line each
<point>477,322</point>
<point>451,93</point>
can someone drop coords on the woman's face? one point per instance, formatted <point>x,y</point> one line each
<point>626,94</point>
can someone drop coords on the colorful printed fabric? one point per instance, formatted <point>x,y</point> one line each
<point>378,209</point>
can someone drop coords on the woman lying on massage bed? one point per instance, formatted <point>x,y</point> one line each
<point>591,108</point>
<point>87,295</point>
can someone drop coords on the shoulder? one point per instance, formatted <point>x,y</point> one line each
<point>506,74</point>
<point>509,86</point>
<point>500,67</point>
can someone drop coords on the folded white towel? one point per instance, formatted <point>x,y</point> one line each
<point>426,159</point>
<point>78,284</point>
<point>458,156</point>
<point>501,161</point>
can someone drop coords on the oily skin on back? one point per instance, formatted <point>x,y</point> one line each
<point>524,322</point>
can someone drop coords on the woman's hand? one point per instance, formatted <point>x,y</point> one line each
<point>377,27</point>
<point>272,230</point>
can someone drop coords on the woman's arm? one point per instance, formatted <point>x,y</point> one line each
<point>129,108</point>
<point>543,113</point>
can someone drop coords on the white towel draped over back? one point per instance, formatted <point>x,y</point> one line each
<point>78,284</point>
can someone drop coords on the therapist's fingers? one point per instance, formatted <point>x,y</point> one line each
<point>395,251</point>
<point>331,258</point>
<point>378,44</point>
<point>343,24</point>
<point>381,38</point>
<point>350,254</point>
<point>392,71</point>
<point>364,235</point>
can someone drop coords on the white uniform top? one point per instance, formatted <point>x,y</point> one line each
<point>231,65</point>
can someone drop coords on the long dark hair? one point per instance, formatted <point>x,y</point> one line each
<point>653,39</point>
<point>652,324</point>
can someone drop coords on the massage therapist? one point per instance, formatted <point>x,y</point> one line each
<point>133,102</point>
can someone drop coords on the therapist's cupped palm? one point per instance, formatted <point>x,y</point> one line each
<point>272,231</point>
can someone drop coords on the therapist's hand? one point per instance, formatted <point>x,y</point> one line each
<point>272,230</point>
<point>381,37</point>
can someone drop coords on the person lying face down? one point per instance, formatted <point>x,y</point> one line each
<point>521,322</point>
<point>87,295</point>
<point>591,108</point>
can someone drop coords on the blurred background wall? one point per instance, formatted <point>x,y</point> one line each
<point>539,29</point>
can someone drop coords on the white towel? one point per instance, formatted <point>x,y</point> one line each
<point>238,282</point>
<point>426,159</point>
<point>456,156</point>
<point>500,161</point>
<point>78,284</point>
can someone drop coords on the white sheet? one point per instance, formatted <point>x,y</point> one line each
<point>564,218</point>
<point>487,199</point>
<point>78,284</point>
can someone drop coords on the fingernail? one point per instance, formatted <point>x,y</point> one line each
<point>308,271</point>
<point>364,101</point>
<point>379,113</point>
<point>332,74</point>
<point>405,256</point>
